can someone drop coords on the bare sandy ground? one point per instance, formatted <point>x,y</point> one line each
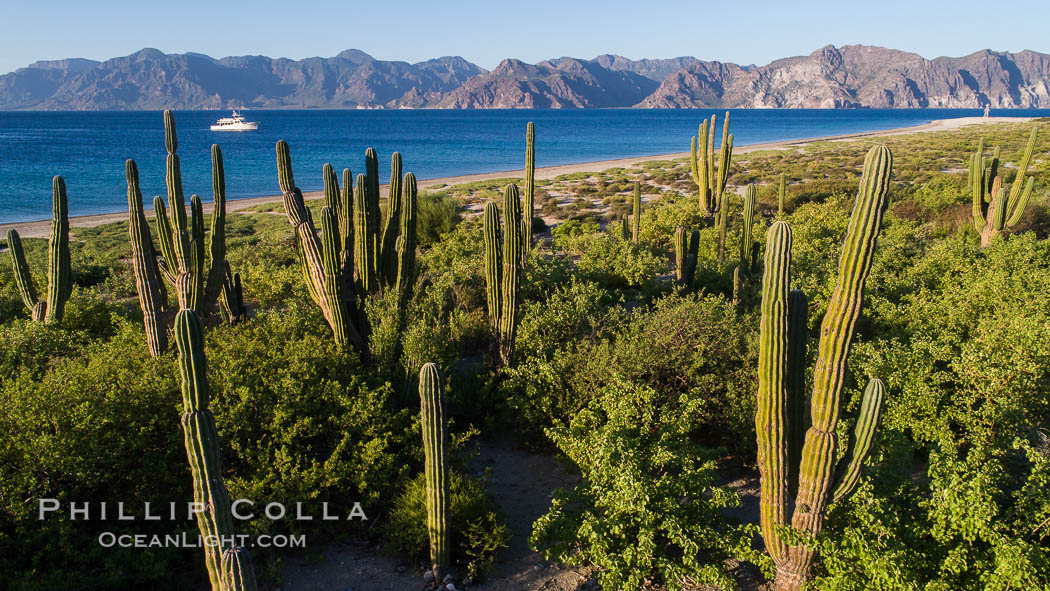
<point>41,229</point>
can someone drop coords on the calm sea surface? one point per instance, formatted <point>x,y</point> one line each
<point>89,149</point>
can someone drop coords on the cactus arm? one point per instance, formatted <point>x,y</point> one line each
<point>238,574</point>
<point>529,205</point>
<point>173,175</point>
<point>512,237</point>
<point>977,190</point>
<point>797,403</point>
<point>1020,192</point>
<point>819,449</point>
<point>346,218</point>
<point>406,247</point>
<point>722,221</point>
<point>334,298</point>
<point>847,475</point>
<point>771,417</point>
<point>746,239</point>
<point>636,217</point>
<point>148,282</point>
<point>23,278</point>
<point>781,194</point>
<point>58,265</point>
<point>331,188</point>
<point>214,284</point>
<point>679,254</point>
<point>1021,204</point>
<point>692,258</point>
<point>702,172</point>
<point>388,258</point>
<point>363,253</point>
<point>493,264</point>
<point>712,193</point>
<point>372,216</point>
<point>195,247</point>
<point>435,442</point>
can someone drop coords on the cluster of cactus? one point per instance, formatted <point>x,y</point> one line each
<point>59,265</point>
<point>228,568</point>
<point>791,455</point>
<point>711,178</point>
<point>435,442</point>
<point>748,250</point>
<point>353,257</point>
<point>995,210</point>
<point>503,262</point>
<point>182,243</point>
<point>685,256</point>
<point>528,205</point>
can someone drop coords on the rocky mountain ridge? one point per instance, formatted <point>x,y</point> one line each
<point>851,76</point>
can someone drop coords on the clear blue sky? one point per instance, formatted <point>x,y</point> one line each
<point>487,31</point>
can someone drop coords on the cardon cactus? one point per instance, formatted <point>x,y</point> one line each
<point>746,241</point>
<point>781,350</point>
<point>388,258</point>
<point>325,261</point>
<point>994,209</point>
<point>59,265</point>
<point>214,519</point>
<point>406,241</point>
<point>181,241</point>
<point>435,443</point>
<point>148,282</point>
<point>503,269</point>
<point>781,195</point>
<point>680,255</point>
<point>528,206</point>
<point>636,216</point>
<point>710,178</point>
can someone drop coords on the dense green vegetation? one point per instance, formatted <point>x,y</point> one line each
<point>626,349</point>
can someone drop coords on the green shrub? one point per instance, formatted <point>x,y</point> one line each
<point>477,531</point>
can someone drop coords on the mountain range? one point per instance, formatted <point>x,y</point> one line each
<point>852,76</point>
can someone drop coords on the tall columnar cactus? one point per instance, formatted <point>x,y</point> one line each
<point>493,263</point>
<point>781,350</point>
<point>722,222</point>
<point>182,241</point>
<point>392,224</point>
<point>364,245</point>
<point>406,241</point>
<point>781,195</point>
<point>680,255</point>
<point>435,443</point>
<point>59,265</point>
<point>636,216</point>
<point>325,260</point>
<point>711,179</point>
<point>692,257</point>
<point>511,276</point>
<point>372,213</point>
<point>148,281</point>
<point>528,206</point>
<point>214,519</point>
<point>1003,209</point>
<point>746,241</point>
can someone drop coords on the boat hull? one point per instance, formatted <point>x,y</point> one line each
<point>236,127</point>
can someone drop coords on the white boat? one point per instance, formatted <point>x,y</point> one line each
<point>235,122</point>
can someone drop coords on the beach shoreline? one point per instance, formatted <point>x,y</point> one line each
<point>42,228</point>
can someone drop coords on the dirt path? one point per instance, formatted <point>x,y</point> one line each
<point>521,483</point>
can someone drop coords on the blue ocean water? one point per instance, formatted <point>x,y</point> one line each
<point>89,149</point>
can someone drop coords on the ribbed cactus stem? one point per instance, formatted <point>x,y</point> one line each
<point>512,239</point>
<point>680,255</point>
<point>848,473</point>
<point>435,442</point>
<point>746,241</point>
<point>797,407</point>
<point>406,242</point>
<point>819,449</point>
<point>331,187</point>
<point>388,258</point>
<point>364,255</point>
<point>528,207</point>
<point>346,220</point>
<point>238,574</point>
<point>722,223</point>
<point>493,264</point>
<point>215,285</point>
<point>372,215</point>
<point>636,217</point>
<point>781,195</point>
<point>148,282</point>
<point>23,278</point>
<point>214,519</point>
<point>59,268</point>
<point>771,416</point>
<point>692,257</point>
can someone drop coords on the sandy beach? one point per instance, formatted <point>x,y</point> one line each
<point>41,229</point>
